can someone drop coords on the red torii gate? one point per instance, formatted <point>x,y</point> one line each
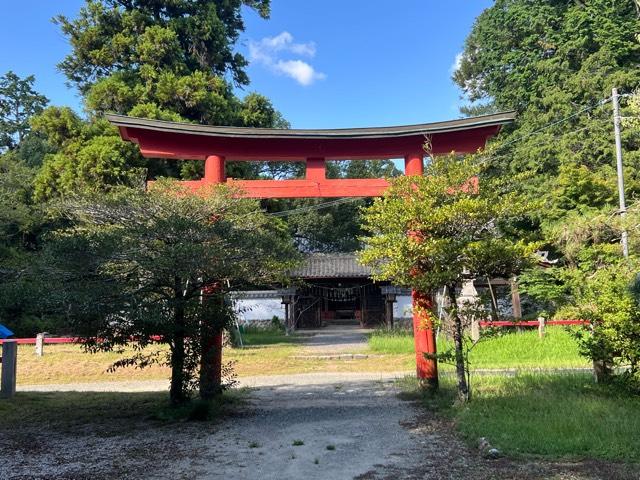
<point>216,145</point>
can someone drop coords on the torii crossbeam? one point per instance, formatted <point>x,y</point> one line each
<point>217,145</point>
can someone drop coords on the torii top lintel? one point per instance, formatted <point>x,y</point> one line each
<point>185,141</point>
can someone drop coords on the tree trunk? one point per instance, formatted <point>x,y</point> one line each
<point>177,392</point>
<point>601,371</point>
<point>210,363</point>
<point>461,374</point>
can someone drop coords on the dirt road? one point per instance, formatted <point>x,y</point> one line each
<point>347,429</point>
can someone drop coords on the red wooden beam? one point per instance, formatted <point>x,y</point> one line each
<point>330,188</point>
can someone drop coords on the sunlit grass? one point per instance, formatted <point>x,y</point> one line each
<point>560,416</point>
<point>508,350</point>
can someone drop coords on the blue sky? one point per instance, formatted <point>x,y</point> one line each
<point>323,63</point>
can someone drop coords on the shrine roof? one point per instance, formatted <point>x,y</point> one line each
<point>461,124</point>
<point>331,265</point>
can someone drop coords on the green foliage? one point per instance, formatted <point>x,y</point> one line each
<point>161,60</point>
<point>93,165</point>
<point>551,60</point>
<point>335,228</point>
<point>21,221</point>
<point>18,103</point>
<point>441,229</point>
<point>554,416</point>
<point>110,36</point>
<point>134,265</point>
<point>610,299</point>
<point>521,52</point>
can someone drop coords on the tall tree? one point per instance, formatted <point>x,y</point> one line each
<point>18,103</point>
<point>135,265</point>
<point>111,36</point>
<point>441,229</point>
<point>164,60</point>
<point>555,61</point>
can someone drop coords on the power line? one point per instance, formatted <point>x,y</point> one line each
<point>341,201</point>
<point>310,208</point>
<point>557,122</point>
<point>555,137</point>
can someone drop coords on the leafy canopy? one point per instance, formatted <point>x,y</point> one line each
<point>437,229</point>
<point>556,60</point>
<point>18,103</point>
<point>135,265</point>
<point>163,60</point>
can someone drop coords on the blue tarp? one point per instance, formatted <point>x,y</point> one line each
<point>5,332</point>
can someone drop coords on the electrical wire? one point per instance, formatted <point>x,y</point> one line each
<point>588,108</point>
<point>553,138</point>
<point>310,208</point>
<point>556,122</point>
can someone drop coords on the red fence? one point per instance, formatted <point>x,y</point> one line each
<point>532,323</point>
<point>32,341</point>
<point>52,340</point>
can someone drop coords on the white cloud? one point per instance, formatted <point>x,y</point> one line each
<point>300,71</point>
<point>456,63</point>
<point>269,50</point>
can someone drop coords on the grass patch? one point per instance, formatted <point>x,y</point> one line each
<point>69,363</point>
<point>555,416</point>
<point>509,350</point>
<point>252,336</point>
<point>298,443</point>
<point>113,412</point>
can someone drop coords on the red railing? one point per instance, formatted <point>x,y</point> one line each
<point>531,323</point>
<point>53,340</point>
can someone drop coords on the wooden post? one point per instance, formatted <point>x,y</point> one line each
<point>389,300</point>
<point>9,364</point>
<point>515,299</point>
<point>475,329</point>
<point>541,324</point>
<point>40,344</point>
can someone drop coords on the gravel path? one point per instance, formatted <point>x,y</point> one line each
<point>336,426</point>
<point>296,379</point>
<point>335,340</point>
<point>344,430</point>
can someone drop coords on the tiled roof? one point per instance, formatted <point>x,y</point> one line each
<point>331,265</point>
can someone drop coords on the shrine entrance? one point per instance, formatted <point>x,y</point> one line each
<point>217,145</point>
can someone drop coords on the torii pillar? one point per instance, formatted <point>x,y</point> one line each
<point>423,333</point>
<point>214,172</point>
<point>216,144</point>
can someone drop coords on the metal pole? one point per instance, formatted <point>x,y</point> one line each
<point>623,206</point>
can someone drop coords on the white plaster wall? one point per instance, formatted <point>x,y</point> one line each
<point>259,309</point>
<point>402,307</point>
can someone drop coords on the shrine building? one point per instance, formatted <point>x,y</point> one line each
<point>217,145</point>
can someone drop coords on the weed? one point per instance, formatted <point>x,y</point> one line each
<point>556,416</point>
<point>331,447</point>
<point>297,443</point>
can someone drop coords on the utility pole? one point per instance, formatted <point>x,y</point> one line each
<point>623,206</point>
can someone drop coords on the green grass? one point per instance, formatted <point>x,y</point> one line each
<point>509,350</point>
<point>554,416</point>
<point>266,336</point>
<point>113,412</point>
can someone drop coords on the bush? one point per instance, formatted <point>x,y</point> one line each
<point>610,299</point>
